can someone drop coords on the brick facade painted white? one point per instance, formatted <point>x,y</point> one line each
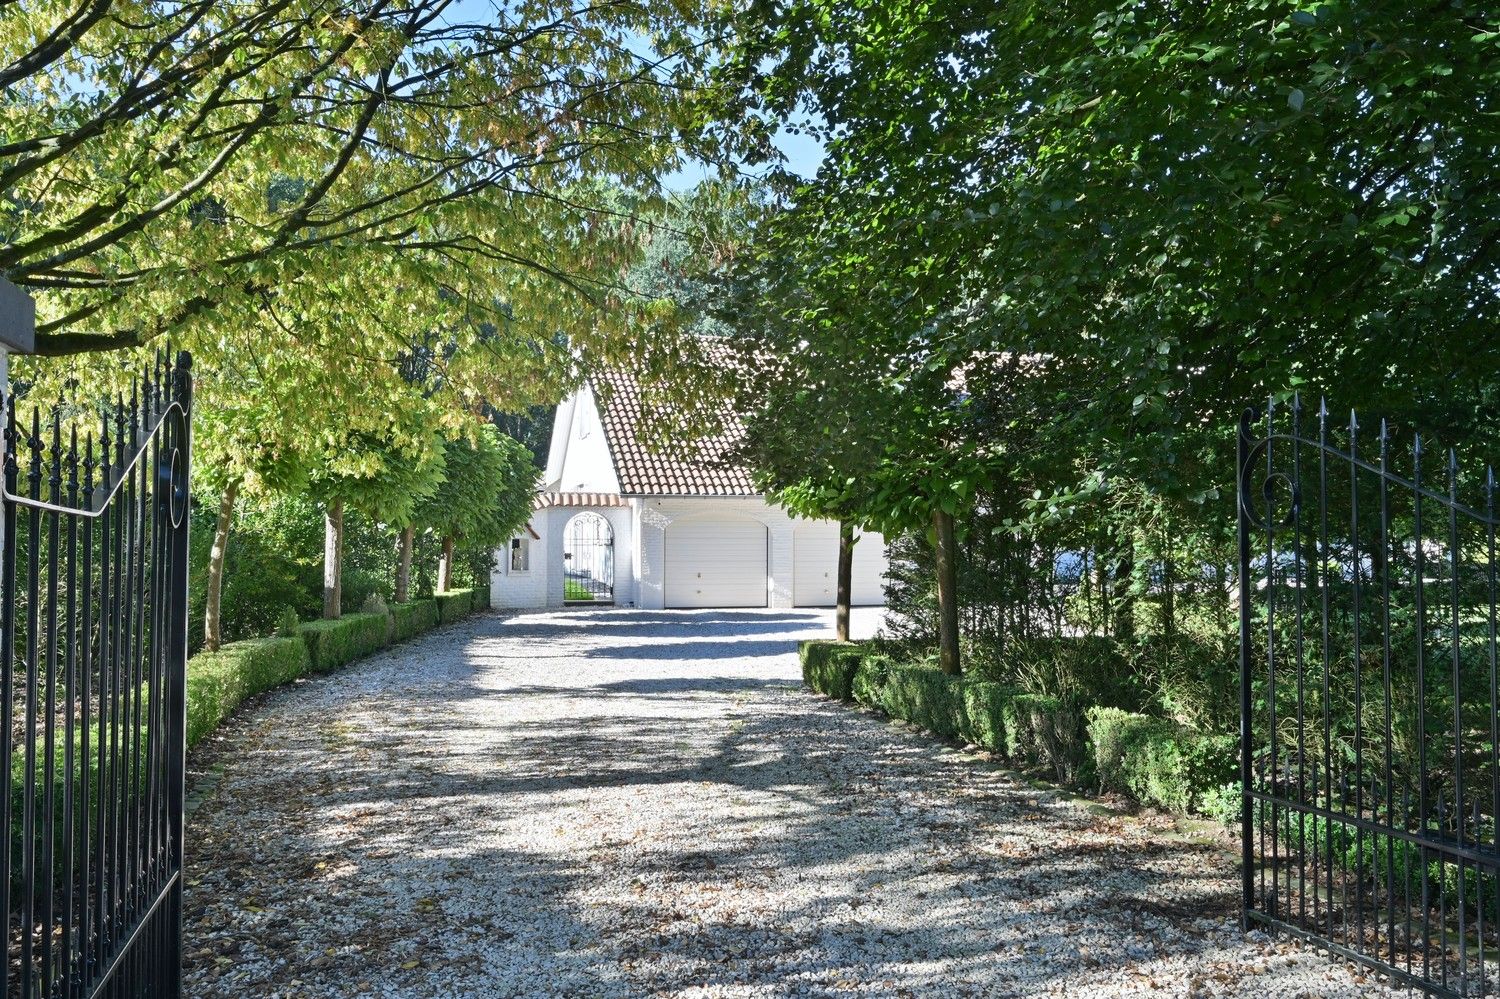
<point>580,462</point>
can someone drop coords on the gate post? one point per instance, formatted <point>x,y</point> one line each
<point>1242,500</point>
<point>17,334</point>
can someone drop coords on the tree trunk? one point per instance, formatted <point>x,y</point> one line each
<point>1124,592</point>
<point>445,567</point>
<point>212,632</point>
<point>403,564</point>
<point>846,580</point>
<point>947,587</point>
<point>333,560</point>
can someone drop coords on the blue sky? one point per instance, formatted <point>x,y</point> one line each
<point>803,156</point>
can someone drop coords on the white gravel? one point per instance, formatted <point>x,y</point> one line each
<point>636,803</point>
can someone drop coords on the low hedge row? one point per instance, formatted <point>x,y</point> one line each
<point>331,644</point>
<point>411,619</point>
<point>828,667</point>
<point>218,681</point>
<point>454,604</point>
<point>1156,761</point>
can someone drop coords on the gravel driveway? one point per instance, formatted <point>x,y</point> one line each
<point>637,803</point>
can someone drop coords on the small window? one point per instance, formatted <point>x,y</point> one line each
<point>520,554</point>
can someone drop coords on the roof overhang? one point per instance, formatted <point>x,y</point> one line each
<point>549,500</point>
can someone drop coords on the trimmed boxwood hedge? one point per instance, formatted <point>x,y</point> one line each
<point>411,619</point>
<point>1158,762</point>
<point>829,666</point>
<point>331,644</point>
<point>869,678</point>
<point>454,604</point>
<point>218,681</point>
<point>924,695</point>
<point>1044,731</point>
<point>983,719</point>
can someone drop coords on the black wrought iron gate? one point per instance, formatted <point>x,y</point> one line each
<point>1369,682</point>
<point>588,560</point>
<point>93,639</point>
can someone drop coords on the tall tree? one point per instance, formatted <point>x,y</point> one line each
<point>485,495</point>
<point>384,476</point>
<point>170,171</point>
<point>1189,206</point>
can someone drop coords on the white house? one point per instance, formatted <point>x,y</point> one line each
<point>618,523</point>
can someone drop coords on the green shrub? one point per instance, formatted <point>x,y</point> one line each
<point>357,587</point>
<point>983,719</point>
<point>482,595</point>
<point>411,619</point>
<point>286,624</point>
<point>1195,678</point>
<point>1157,761</point>
<point>1223,803</point>
<point>218,681</point>
<point>924,695</point>
<point>1084,669</point>
<point>331,644</point>
<point>454,604</point>
<point>829,666</point>
<point>868,685</point>
<point>1045,731</point>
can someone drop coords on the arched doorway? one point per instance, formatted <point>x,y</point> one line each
<point>588,560</point>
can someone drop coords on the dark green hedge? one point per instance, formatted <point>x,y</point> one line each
<point>218,681</point>
<point>1158,762</point>
<point>411,619</point>
<point>1045,731</point>
<point>869,679</point>
<point>454,604</point>
<point>331,644</point>
<point>983,720</point>
<point>829,666</point>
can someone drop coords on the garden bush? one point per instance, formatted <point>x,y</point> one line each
<point>1195,678</point>
<point>924,695</point>
<point>218,681</point>
<point>331,644</point>
<point>1085,669</point>
<point>413,618</point>
<point>982,721</point>
<point>454,604</point>
<point>829,666</point>
<point>868,685</point>
<point>1157,761</point>
<point>359,586</point>
<point>1045,731</point>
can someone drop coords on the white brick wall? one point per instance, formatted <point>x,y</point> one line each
<point>654,515</point>
<point>640,540</point>
<point>542,585</point>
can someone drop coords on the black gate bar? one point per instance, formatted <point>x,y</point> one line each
<point>1369,689</point>
<point>94,573</point>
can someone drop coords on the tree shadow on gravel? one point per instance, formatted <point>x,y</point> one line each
<point>660,834</point>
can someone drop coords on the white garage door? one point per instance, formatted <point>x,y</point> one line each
<point>815,563</point>
<point>715,563</point>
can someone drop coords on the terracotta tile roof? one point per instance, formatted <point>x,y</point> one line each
<point>546,500</point>
<point>647,472</point>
